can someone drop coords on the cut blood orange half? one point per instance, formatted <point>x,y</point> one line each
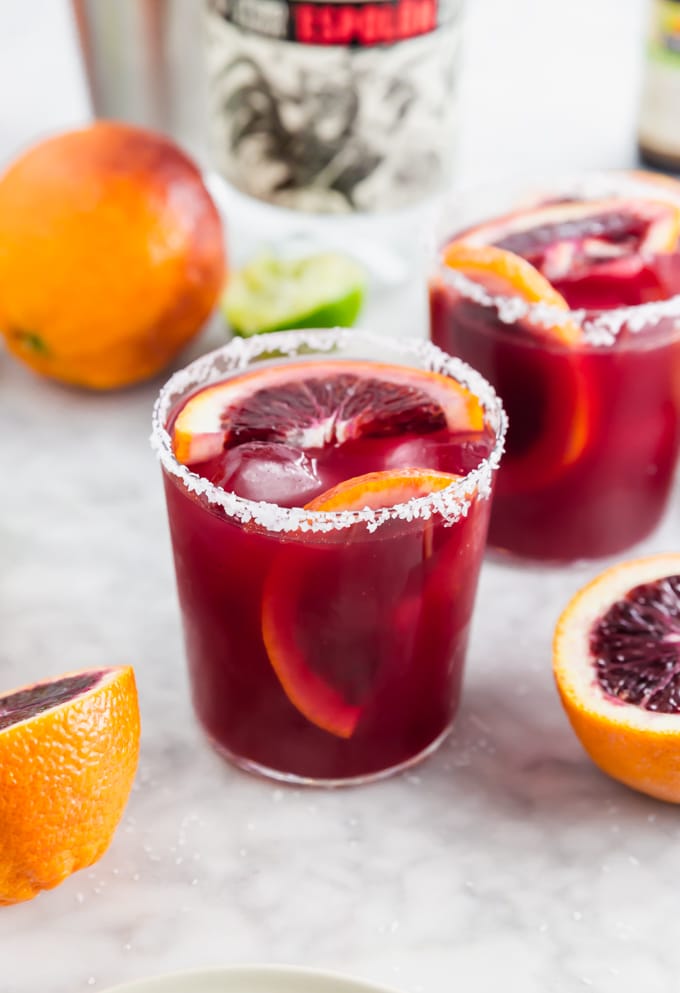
<point>312,404</point>
<point>326,661</point>
<point>617,666</point>
<point>503,273</point>
<point>596,253</point>
<point>68,755</point>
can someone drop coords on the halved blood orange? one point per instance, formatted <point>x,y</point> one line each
<point>311,404</point>
<point>68,756</point>
<point>616,662</point>
<point>312,655</point>
<point>504,273</point>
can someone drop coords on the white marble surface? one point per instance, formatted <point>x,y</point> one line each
<point>507,861</point>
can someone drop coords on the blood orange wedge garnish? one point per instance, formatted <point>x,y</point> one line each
<point>320,664</point>
<point>503,273</point>
<point>596,253</point>
<point>312,404</point>
<point>617,666</point>
<point>381,489</point>
<point>68,756</point>
<point>555,382</point>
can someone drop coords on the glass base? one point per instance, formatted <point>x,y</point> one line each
<point>292,779</point>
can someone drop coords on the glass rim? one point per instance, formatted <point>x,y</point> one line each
<point>601,327</point>
<point>450,503</point>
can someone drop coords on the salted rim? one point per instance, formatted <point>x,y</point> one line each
<point>451,503</point>
<point>602,328</point>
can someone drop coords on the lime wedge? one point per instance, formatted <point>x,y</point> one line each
<point>273,293</point>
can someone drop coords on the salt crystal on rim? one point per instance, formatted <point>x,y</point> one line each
<point>450,504</point>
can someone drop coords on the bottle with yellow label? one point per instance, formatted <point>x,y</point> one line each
<point>659,121</point>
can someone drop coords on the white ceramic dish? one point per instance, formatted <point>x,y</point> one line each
<point>252,979</point>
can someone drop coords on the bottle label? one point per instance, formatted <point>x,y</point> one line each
<point>334,106</point>
<point>664,41</point>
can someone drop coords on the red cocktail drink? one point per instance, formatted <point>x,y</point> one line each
<point>328,517</point>
<point>570,308</point>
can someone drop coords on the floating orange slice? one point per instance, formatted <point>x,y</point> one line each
<point>616,662</point>
<point>302,669</point>
<point>68,755</point>
<point>314,403</point>
<point>598,253</point>
<point>563,429</point>
<point>655,221</point>
<point>504,273</point>
<point>381,489</point>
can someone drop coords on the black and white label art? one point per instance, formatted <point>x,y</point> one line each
<point>333,106</point>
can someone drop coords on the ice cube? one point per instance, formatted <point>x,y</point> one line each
<point>272,471</point>
<point>457,453</point>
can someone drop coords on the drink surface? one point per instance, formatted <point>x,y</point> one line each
<point>327,655</point>
<point>590,389</point>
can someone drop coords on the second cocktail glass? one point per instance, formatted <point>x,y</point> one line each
<point>570,306</point>
<point>326,631</point>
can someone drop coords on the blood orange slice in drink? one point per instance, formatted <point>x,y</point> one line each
<point>328,661</point>
<point>503,273</point>
<point>382,489</point>
<point>617,666</point>
<point>542,447</point>
<point>596,253</point>
<point>313,404</point>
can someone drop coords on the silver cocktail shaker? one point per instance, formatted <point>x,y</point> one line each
<point>145,63</point>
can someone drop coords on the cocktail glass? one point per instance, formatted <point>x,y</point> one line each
<point>326,646</point>
<point>586,361</point>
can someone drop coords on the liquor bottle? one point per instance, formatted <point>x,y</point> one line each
<point>659,119</point>
<point>336,107</point>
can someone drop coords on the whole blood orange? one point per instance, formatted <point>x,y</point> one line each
<point>68,756</point>
<point>617,666</point>
<point>111,255</point>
